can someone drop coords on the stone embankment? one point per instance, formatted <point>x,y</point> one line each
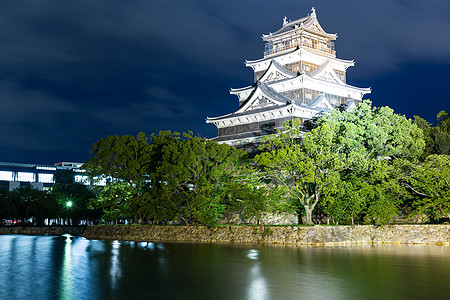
<point>283,235</point>
<point>78,230</point>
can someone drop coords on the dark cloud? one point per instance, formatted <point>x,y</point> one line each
<point>73,72</point>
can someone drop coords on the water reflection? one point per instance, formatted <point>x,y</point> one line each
<point>253,254</point>
<point>44,267</point>
<point>66,281</point>
<point>115,271</point>
<point>257,288</point>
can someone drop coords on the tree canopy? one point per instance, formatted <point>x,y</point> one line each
<point>313,166</point>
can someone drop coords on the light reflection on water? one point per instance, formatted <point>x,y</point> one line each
<point>115,271</point>
<point>65,280</point>
<point>257,288</point>
<point>65,267</point>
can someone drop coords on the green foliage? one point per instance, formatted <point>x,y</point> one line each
<point>442,134</point>
<point>370,141</point>
<point>373,133</point>
<point>175,177</point>
<point>250,198</point>
<point>428,136</point>
<point>429,185</point>
<point>346,198</point>
<point>324,164</point>
<point>126,159</point>
<point>437,138</point>
<point>384,193</point>
<point>32,203</point>
<point>357,165</point>
<point>193,177</point>
<point>25,202</point>
<point>112,200</point>
<point>8,209</point>
<point>301,168</point>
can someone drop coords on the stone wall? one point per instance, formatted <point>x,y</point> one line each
<point>79,230</point>
<point>279,218</point>
<point>284,235</point>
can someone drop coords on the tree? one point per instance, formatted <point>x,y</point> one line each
<point>373,133</point>
<point>442,134</point>
<point>343,143</point>
<point>192,177</point>
<point>20,198</point>
<point>72,198</point>
<point>41,205</point>
<point>73,201</point>
<point>346,198</point>
<point>302,167</point>
<point>428,136</point>
<point>371,141</point>
<point>437,138</point>
<point>114,202</point>
<point>7,207</point>
<point>429,184</point>
<point>126,159</point>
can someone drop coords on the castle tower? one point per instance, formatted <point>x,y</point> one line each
<point>298,77</point>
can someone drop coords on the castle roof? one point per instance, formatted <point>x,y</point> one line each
<point>308,23</point>
<point>297,54</point>
<point>276,72</point>
<point>263,90</point>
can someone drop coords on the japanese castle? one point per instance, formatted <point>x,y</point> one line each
<point>298,77</point>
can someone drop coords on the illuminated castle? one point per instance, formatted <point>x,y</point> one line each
<point>298,77</point>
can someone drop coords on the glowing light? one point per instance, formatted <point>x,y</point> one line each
<point>69,203</point>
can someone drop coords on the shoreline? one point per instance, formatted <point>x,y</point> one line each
<point>278,235</point>
<point>51,230</point>
<point>271,235</point>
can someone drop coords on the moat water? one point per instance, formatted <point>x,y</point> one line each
<point>63,267</point>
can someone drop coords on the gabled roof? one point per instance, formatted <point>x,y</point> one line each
<point>321,101</point>
<point>326,72</point>
<point>308,23</point>
<point>261,89</point>
<point>276,72</point>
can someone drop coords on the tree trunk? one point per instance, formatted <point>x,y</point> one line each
<point>308,218</point>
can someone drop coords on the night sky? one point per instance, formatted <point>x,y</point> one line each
<point>72,72</point>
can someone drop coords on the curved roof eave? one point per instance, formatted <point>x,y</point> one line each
<point>249,63</point>
<point>212,119</point>
<point>306,76</point>
<point>267,91</point>
<point>268,38</point>
<point>296,106</point>
<point>242,89</point>
<point>274,66</point>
